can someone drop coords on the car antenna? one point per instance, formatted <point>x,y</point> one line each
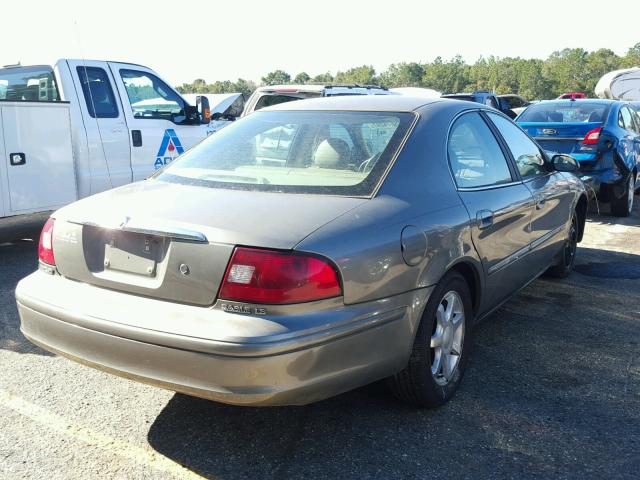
<point>93,107</point>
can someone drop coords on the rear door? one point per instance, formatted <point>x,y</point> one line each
<point>159,130</point>
<point>104,122</point>
<point>552,196</point>
<point>499,205</point>
<point>629,147</point>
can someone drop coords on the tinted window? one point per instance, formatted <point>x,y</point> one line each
<point>565,112</point>
<point>526,153</point>
<point>474,154</point>
<point>151,98</point>
<point>28,84</point>
<point>98,93</point>
<point>490,102</point>
<point>268,100</point>
<point>292,152</point>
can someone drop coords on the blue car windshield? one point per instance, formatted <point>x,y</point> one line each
<point>578,111</point>
<point>321,152</point>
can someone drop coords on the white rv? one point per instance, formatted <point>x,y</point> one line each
<point>620,84</point>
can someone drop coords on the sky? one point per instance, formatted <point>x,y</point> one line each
<point>217,40</point>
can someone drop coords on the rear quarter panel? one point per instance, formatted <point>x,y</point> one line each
<point>365,243</point>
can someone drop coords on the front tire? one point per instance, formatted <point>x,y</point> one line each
<point>441,347</point>
<point>567,257</point>
<point>621,207</point>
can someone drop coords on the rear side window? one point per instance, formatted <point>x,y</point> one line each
<point>28,84</point>
<point>525,152</point>
<point>474,154</point>
<point>578,111</point>
<point>98,94</point>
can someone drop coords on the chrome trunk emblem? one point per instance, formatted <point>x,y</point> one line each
<point>549,131</point>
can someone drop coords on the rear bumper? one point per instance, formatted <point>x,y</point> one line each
<point>292,367</point>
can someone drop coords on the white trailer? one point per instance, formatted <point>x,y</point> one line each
<point>81,127</point>
<point>620,84</point>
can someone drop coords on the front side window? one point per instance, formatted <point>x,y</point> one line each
<point>320,152</point>
<point>28,84</point>
<point>526,153</point>
<point>151,98</point>
<point>475,156</point>
<point>98,94</point>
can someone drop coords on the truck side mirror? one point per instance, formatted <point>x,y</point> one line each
<point>204,111</point>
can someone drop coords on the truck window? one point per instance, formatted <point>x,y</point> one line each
<point>28,84</point>
<point>98,94</point>
<point>151,98</point>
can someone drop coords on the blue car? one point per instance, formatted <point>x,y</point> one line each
<point>603,135</point>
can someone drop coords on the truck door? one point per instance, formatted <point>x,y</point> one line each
<point>159,130</point>
<point>104,122</point>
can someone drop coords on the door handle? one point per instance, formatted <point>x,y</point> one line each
<point>136,138</point>
<point>540,202</point>
<point>484,218</point>
<point>17,158</point>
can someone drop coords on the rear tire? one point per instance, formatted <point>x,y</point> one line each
<point>441,347</point>
<point>567,257</point>
<point>621,207</point>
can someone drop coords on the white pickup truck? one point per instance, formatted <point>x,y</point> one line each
<point>81,127</point>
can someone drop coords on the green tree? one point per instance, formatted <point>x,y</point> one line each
<point>363,75</point>
<point>302,78</point>
<point>447,77</point>
<point>402,75</point>
<point>277,77</point>
<point>323,78</point>
<point>632,58</point>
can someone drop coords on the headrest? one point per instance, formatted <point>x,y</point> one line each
<point>332,153</point>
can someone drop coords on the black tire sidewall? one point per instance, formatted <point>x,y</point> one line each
<point>434,393</point>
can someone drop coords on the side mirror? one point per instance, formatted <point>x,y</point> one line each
<point>565,163</point>
<point>204,111</point>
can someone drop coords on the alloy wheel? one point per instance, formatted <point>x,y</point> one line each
<point>447,338</point>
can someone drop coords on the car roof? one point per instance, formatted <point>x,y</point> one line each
<point>313,87</point>
<point>370,103</point>
<point>580,101</point>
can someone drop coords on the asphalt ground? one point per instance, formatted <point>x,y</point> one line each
<point>552,391</point>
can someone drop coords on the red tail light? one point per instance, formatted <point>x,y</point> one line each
<point>592,136</point>
<point>45,247</point>
<point>266,276</point>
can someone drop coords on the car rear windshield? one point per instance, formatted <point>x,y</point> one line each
<point>331,153</point>
<point>566,112</point>
<point>270,99</point>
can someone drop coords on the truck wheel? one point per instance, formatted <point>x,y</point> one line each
<point>621,207</point>
<point>441,347</point>
<point>567,256</point>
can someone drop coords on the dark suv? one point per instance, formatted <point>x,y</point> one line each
<point>486,98</point>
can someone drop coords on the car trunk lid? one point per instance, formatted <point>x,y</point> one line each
<point>173,241</point>
<point>563,137</point>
